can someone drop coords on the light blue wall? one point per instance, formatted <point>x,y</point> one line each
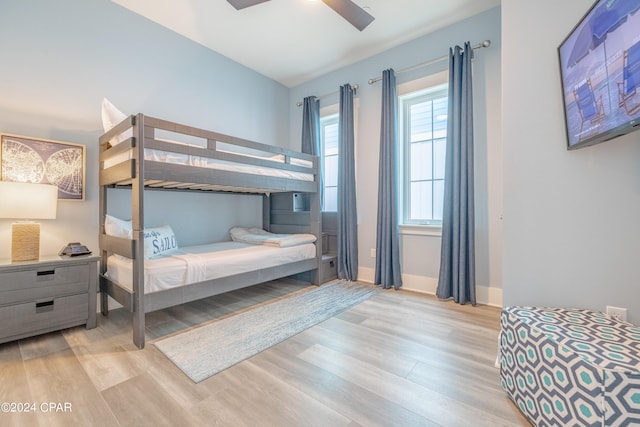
<point>571,233</point>
<point>421,254</point>
<point>60,58</point>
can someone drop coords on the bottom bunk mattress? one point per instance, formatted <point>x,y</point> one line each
<point>194,264</point>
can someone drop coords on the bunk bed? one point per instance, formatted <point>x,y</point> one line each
<point>137,154</point>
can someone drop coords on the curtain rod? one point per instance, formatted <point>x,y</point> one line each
<point>355,92</point>
<point>485,43</point>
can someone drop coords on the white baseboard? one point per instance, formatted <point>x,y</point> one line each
<point>487,295</point>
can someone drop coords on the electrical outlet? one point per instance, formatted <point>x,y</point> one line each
<point>617,313</point>
<point>373,252</point>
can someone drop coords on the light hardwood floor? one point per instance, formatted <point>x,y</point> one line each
<point>397,359</point>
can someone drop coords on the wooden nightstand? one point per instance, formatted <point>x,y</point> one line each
<point>47,295</point>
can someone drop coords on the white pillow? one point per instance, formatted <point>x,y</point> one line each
<point>111,116</point>
<point>159,241</point>
<point>238,234</point>
<point>117,227</point>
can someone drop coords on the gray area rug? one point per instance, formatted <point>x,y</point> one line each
<point>206,350</point>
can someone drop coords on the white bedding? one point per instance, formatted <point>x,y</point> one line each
<point>258,236</point>
<point>203,262</point>
<point>205,162</point>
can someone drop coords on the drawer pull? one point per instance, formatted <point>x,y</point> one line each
<point>43,307</point>
<point>46,273</point>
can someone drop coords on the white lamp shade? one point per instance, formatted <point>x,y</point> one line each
<point>20,200</point>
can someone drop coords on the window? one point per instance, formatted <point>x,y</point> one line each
<point>423,135</point>
<point>329,157</point>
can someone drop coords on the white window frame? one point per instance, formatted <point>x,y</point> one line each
<point>408,91</point>
<point>334,110</point>
<point>328,119</point>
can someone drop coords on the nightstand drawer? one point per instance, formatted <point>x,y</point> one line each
<point>28,285</point>
<point>43,314</point>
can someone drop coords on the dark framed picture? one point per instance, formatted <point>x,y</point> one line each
<point>42,161</point>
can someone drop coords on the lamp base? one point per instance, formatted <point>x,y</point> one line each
<point>25,241</point>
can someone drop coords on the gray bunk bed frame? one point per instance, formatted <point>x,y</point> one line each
<point>140,175</point>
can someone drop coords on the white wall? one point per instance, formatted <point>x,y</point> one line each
<point>571,233</point>
<point>420,253</point>
<point>59,59</point>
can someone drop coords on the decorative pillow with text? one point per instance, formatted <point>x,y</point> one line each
<point>159,241</point>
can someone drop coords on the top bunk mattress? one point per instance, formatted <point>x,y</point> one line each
<point>194,264</point>
<point>161,156</point>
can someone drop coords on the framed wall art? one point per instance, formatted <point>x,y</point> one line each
<point>42,161</point>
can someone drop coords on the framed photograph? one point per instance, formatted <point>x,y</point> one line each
<point>26,159</point>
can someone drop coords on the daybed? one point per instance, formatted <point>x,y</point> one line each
<point>133,156</point>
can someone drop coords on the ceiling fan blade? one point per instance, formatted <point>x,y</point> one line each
<point>241,4</point>
<point>357,16</point>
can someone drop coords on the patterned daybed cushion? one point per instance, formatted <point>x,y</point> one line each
<point>570,367</point>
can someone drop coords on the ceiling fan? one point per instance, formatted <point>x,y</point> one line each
<point>357,16</point>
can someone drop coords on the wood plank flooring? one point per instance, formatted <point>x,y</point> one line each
<point>397,359</point>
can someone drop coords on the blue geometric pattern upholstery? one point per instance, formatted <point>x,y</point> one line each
<point>566,367</point>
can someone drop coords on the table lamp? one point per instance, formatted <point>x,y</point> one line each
<point>25,201</point>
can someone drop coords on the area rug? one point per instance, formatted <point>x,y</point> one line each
<point>206,350</point>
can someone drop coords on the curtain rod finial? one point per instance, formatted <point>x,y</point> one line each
<point>486,43</point>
